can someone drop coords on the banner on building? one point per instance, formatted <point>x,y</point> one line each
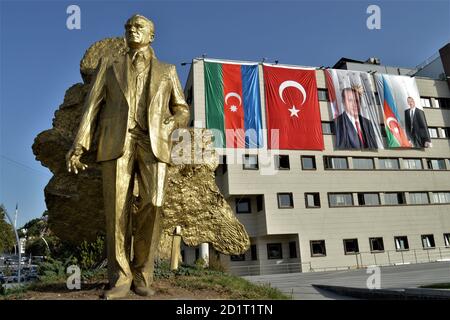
<point>293,114</point>
<point>355,112</point>
<point>404,119</point>
<point>233,105</point>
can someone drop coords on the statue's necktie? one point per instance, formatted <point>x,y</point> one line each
<point>139,62</point>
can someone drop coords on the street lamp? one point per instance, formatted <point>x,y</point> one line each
<point>18,245</point>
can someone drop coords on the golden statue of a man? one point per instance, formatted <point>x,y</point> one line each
<point>138,101</point>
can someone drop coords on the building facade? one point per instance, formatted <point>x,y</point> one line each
<point>337,209</point>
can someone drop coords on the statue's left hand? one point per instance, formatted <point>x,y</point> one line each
<point>73,160</point>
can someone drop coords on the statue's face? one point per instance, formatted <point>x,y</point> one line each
<point>138,32</point>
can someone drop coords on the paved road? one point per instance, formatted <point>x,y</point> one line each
<point>406,276</point>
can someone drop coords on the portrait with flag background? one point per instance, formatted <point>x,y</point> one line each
<point>293,114</point>
<point>233,104</point>
<point>405,128</point>
<point>353,106</point>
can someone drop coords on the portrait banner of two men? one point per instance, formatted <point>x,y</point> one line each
<point>357,115</point>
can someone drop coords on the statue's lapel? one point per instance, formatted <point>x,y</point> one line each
<point>155,78</point>
<point>121,68</point>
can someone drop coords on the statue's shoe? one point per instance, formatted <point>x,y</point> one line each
<point>116,292</point>
<point>144,291</point>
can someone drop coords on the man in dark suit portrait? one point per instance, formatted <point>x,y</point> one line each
<point>416,125</point>
<point>353,131</point>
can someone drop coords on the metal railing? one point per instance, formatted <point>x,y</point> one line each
<point>399,257</point>
<point>361,260</point>
<point>253,270</point>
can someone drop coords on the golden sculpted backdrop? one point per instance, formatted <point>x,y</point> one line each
<point>114,130</point>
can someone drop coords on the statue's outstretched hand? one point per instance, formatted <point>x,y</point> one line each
<point>73,160</point>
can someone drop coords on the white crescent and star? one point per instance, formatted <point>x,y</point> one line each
<point>233,108</point>
<point>391,119</point>
<point>294,84</point>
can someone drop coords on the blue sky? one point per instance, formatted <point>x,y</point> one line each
<point>40,57</point>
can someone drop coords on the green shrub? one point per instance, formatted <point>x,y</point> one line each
<point>91,254</point>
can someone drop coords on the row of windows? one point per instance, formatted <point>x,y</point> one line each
<point>282,162</point>
<point>435,132</point>
<point>274,251</point>
<point>312,200</point>
<point>351,246</point>
<point>425,102</point>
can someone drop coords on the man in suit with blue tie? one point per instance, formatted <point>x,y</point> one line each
<point>416,125</point>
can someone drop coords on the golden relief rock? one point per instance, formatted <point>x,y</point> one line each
<point>75,202</point>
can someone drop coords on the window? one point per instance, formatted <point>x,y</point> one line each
<point>250,162</point>
<point>436,164</point>
<point>401,243</point>
<point>292,250</point>
<point>318,248</point>
<point>197,253</point>
<point>363,163</point>
<point>323,94</point>
<point>388,163</point>
<point>340,199</point>
<point>282,162</point>
<point>376,244</point>
<point>412,164</point>
<point>394,198</point>
<point>243,205</point>
<point>274,251</point>
<point>383,130</point>
<point>444,103</point>
<point>445,132</point>
<point>223,164</point>
<point>368,199</point>
<point>447,239</point>
<point>253,252</point>
<point>418,198</point>
<point>240,257</point>
<point>428,241</point>
<point>425,102</point>
<point>259,202</point>
<point>433,132</point>
<point>312,200</point>
<point>441,197</point>
<point>377,99</point>
<point>351,246</point>
<point>335,163</point>
<point>308,162</point>
<point>327,127</point>
<point>285,200</point>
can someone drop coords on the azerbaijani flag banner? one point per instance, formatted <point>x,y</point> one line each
<point>233,105</point>
<point>394,92</point>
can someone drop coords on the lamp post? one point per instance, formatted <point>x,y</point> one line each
<point>18,246</point>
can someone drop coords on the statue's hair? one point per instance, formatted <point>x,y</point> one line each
<point>150,22</point>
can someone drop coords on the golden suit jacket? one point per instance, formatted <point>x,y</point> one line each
<point>109,100</point>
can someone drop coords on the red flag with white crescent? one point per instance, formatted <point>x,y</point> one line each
<point>292,109</point>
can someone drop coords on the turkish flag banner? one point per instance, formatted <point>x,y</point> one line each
<point>293,113</point>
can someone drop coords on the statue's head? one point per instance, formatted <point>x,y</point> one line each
<point>139,31</point>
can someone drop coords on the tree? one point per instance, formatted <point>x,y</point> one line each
<point>7,238</point>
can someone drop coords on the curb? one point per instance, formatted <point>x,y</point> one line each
<point>387,294</point>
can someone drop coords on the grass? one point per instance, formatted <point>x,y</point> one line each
<point>231,286</point>
<point>191,278</point>
<point>437,286</point>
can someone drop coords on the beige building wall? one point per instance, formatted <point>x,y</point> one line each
<point>301,224</point>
